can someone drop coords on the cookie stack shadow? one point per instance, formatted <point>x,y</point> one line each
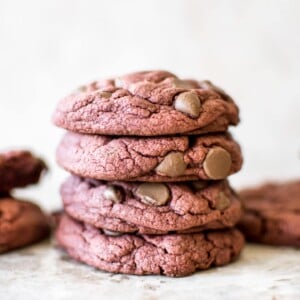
<point>149,155</point>
<point>21,222</point>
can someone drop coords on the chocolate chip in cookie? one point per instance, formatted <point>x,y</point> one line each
<point>153,193</point>
<point>217,163</point>
<point>188,103</point>
<point>172,165</point>
<point>111,193</point>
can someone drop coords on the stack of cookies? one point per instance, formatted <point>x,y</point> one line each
<point>21,222</point>
<point>149,156</point>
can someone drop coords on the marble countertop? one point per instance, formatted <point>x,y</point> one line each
<point>43,272</point>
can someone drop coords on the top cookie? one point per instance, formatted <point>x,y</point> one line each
<point>147,104</point>
<point>18,169</point>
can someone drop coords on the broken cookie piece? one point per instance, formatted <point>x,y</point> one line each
<point>19,168</point>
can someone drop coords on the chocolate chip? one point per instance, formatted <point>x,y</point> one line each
<point>182,84</point>
<point>112,194</point>
<point>111,233</point>
<point>199,185</point>
<point>103,94</point>
<point>222,201</point>
<point>189,103</point>
<point>153,193</point>
<point>172,165</point>
<point>217,163</point>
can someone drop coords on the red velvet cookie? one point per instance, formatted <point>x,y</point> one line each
<point>21,223</point>
<point>147,104</point>
<point>154,159</point>
<point>171,255</point>
<point>18,169</point>
<point>151,208</point>
<point>272,213</point>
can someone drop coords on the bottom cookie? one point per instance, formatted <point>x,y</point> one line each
<point>21,223</point>
<point>171,255</point>
<point>272,214</point>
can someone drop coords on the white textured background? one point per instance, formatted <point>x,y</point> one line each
<point>250,48</point>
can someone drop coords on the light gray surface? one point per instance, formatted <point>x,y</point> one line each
<point>42,272</point>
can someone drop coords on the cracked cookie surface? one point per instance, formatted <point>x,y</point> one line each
<point>272,213</point>
<point>149,208</point>
<point>147,104</point>
<point>170,255</point>
<point>21,223</point>
<point>157,159</point>
<point>19,169</point>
